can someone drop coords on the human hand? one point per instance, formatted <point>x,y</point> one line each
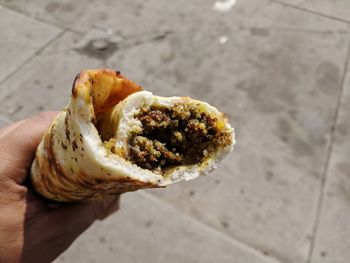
<point>31,230</point>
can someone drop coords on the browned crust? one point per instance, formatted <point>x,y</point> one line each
<point>96,83</point>
<point>104,88</point>
<point>56,184</point>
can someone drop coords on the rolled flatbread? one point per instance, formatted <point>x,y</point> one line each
<point>113,138</point>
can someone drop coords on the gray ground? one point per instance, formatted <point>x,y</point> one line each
<point>278,68</point>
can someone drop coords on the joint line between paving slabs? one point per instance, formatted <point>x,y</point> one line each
<point>41,20</point>
<point>30,58</point>
<point>312,12</point>
<point>236,242</point>
<point>328,158</point>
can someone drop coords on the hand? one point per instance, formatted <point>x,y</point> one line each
<point>31,230</point>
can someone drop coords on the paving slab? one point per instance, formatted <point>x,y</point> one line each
<point>181,237</point>
<point>280,90</point>
<point>159,235</point>
<point>275,70</point>
<point>45,82</point>
<point>138,17</point>
<point>333,236</point>
<point>337,9</point>
<point>21,37</point>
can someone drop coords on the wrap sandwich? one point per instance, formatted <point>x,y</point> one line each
<point>113,137</point>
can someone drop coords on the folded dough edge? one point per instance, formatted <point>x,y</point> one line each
<point>86,152</point>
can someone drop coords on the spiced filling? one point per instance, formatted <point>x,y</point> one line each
<point>169,137</point>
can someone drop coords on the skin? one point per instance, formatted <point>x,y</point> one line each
<point>32,229</point>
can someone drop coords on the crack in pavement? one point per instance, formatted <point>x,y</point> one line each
<point>328,158</point>
<point>311,11</point>
<point>31,57</point>
<point>41,20</point>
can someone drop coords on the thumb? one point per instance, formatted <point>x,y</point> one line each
<point>20,141</point>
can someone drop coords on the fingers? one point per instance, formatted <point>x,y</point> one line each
<point>55,231</point>
<point>76,217</point>
<point>66,223</point>
<point>18,143</point>
<point>107,207</point>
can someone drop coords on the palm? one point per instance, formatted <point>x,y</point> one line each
<point>32,228</point>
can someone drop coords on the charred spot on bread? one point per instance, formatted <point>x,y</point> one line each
<point>74,89</point>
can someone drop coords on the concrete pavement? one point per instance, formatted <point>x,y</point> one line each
<point>279,69</point>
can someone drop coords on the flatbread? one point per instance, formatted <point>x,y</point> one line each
<point>113,138</point>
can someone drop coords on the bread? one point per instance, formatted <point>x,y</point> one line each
<point>114,138</point>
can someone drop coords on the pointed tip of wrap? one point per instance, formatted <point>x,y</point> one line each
<point>105,87</point>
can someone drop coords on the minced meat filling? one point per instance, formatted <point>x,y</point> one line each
<point>181,135</point>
